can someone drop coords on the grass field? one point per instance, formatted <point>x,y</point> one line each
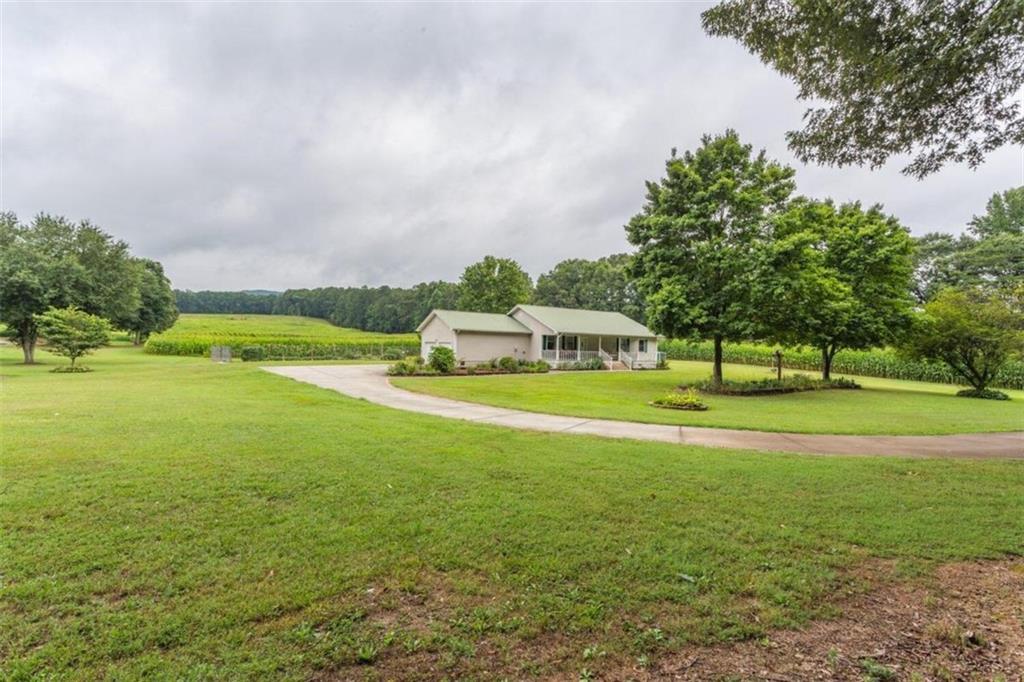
<point>176,518</point>
<point>882,406</point>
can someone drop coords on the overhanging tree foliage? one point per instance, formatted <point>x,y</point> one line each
<point>938,79</point>
<point>699,239</point>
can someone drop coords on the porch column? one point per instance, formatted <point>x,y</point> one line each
<point>558,346</point>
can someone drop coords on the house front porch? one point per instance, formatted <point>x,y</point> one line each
<point>618,352</point>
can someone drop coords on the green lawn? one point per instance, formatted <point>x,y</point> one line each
<point>175,518</point>
<point>268,325</point>
<point>882,406</point>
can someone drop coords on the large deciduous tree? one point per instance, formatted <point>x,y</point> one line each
<point>494,285</point>
<point>54,263</point>
<point>157,309</point>
<point>850,287</point>
<point>973,331</point>
<point>699,238</point>
<point>938,79</point>
<point>990,255</point>
<point>601,284</point>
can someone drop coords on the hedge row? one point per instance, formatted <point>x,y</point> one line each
<point>874,363</point>
<point>290,348</point>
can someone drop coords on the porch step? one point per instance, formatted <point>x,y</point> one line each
<point>616,364</point>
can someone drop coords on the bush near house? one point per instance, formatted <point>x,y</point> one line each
<point>414,366</point>
<point>883,363</point>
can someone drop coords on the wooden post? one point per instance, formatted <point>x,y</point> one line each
<point>778,364</point>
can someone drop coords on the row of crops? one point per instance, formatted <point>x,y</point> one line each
<point>875,363</point>
<point>253,347</point>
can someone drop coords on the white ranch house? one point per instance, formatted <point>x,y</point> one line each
<point>559,336</point>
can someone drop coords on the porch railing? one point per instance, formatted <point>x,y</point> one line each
<point>627,359</point>
<point>563,356</point>
<point>605,357</point>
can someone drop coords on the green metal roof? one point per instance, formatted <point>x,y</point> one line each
<point>576,321</point>
<point>461,321</point>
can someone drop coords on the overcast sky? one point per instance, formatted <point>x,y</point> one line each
<point>309,144</point>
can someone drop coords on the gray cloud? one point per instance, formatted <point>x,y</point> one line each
<point>282,145</point>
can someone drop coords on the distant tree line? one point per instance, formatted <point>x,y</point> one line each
<point>490,285</point>
<point>256,303</point>
<point>52,264</point>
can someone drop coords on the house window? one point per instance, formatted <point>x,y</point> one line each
<point>642,345</point>
<point>624,344</point>
<point>570,342</point>
<point>547,342</point>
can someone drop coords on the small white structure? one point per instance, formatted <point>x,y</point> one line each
<point>560,336</point>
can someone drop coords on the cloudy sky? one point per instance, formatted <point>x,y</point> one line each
<point>307,144</point>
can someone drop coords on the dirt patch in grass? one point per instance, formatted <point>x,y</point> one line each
<point>964,622</point>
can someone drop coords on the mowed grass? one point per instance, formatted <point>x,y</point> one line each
<point>180,519</point>
<point>191,324</point>
<point>881,406</point>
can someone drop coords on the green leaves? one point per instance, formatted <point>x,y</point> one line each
<point>494,285</point>
<point>72,332</point>
<point>972,331</point>
<point>937,78</point>
<point>700,237</point>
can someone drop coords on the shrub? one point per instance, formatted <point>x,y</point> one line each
<point>508,364</point>
<point>251,353</point>
<point>405,367</point>
<point>583,365</point>
<point>442,359</point>
<point>688,400</point>
<point>792,384</point>
<point>985,394</point>
<point>883,363</point>
<point>538,367</point>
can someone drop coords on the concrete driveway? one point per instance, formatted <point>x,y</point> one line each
<point>371,382</point>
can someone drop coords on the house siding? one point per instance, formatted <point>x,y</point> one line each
<point>435,333</point>
<point>476,347</point>
<point>538,330</point>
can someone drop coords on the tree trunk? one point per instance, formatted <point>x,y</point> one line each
<point>716,371</point>
<point>28,349</point>
<point>826,364</point>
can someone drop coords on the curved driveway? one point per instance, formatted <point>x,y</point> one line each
<point>371,382</point>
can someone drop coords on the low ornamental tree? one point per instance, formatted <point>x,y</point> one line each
<point>72,333</point>
<point>972,331</point>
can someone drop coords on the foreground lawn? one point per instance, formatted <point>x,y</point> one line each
<point>882,406</point>
<point>175,518</point>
